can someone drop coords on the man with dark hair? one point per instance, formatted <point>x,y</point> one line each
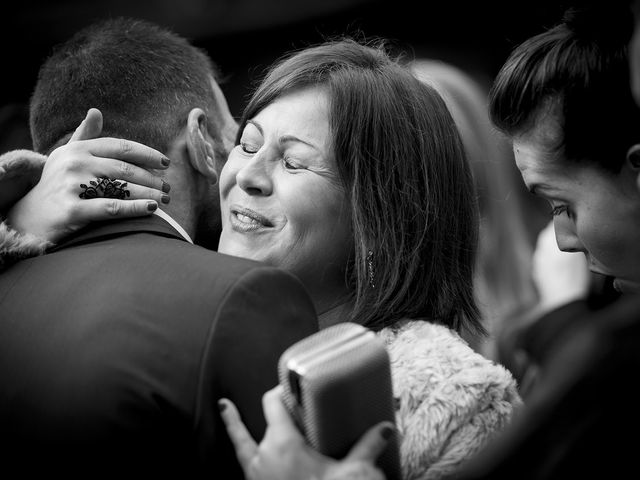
<point>91,385</point>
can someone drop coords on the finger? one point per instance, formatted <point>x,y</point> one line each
<point>110,208</point>
<point>372,443</point>
<point>90,127</point>
<point>129,151</point>
<point>276,413</point>
<point>127,172</point>
<point>245,446</point>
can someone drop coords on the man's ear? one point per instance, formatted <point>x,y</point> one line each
<point>199,146</point>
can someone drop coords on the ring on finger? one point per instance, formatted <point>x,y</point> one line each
<point>104,187</point>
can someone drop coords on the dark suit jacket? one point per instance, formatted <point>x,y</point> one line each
<point>115,347</point>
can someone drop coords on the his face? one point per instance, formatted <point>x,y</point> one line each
<point>281,199</point>
<point>594,212</point>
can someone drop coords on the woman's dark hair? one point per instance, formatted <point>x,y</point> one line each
<point>580,67</point>
<point>401,161</point>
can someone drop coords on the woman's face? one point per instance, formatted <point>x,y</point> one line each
<point>594,212</point>
<point>280,196</point>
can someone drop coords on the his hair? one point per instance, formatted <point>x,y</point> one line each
<point>580,67</point>
<point>401,162</point>
<point>144,78</point>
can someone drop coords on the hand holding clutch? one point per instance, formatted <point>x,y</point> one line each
<point>284,453</point>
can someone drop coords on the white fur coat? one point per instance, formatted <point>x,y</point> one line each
<point>15,246</point>
<point>451,399</point>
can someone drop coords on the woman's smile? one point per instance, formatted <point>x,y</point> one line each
<point>246,220</point>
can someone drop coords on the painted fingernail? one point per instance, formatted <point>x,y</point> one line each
<point>165,199</point>
<point>634,156</point>
<point>152,206</point>
<point>165,161</point>
<point>386,432</point>
<point>165,187</point>
<point>221,405</point>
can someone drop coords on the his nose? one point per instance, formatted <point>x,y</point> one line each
<point>255,175</point>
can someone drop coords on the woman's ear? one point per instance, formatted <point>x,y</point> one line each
<point>633,157</point>
<point>201,154</point>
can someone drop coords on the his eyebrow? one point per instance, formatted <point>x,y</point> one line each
<point>535,188</point>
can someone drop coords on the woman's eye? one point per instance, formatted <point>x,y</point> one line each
<point>559,210</point>
<point>248,147</point>
<point>289,165</point>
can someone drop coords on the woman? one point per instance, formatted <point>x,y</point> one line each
<point>572,124</point>
<point>350,173</point>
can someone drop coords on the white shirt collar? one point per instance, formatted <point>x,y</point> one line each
<point>167,218</point>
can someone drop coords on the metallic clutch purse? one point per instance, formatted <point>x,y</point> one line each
<point>337,384</point>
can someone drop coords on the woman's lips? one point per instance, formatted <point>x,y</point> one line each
<point>247,220</point>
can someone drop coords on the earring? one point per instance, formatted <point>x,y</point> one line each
<point>370,269</point>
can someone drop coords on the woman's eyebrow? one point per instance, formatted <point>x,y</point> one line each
<point>257,125</point>
<point>293,138</point>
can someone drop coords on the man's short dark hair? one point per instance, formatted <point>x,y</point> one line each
<point>145,79</point>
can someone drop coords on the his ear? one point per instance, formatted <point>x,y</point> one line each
<point>633,157</point>
<point>199,146</point>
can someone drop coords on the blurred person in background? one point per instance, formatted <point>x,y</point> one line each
<point>350,173</point>
<point>503,283</point>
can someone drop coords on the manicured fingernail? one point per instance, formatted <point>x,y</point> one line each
<point>386,432</point>
<point>165,187</point>
<point>221,405</point>
<point>634,156</point>
<point>165,161</point>
<point>152,206</point>
<point>165,199</point>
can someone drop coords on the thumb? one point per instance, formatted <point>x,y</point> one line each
<point>372,443</point>
<point>91,126</point>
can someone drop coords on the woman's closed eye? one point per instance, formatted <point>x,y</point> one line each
<point>290,164</point>
<point>248,147</point>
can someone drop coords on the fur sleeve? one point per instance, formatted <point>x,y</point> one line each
<point>452,400</point>
<point>20,170</point>
<point>15,246</point>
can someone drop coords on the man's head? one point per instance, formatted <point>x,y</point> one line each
<point>151,85</point>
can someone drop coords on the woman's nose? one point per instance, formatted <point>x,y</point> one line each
<point>255,176</point>
<point>567,239</point>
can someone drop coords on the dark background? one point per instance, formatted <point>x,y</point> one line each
<point>244,36</point>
